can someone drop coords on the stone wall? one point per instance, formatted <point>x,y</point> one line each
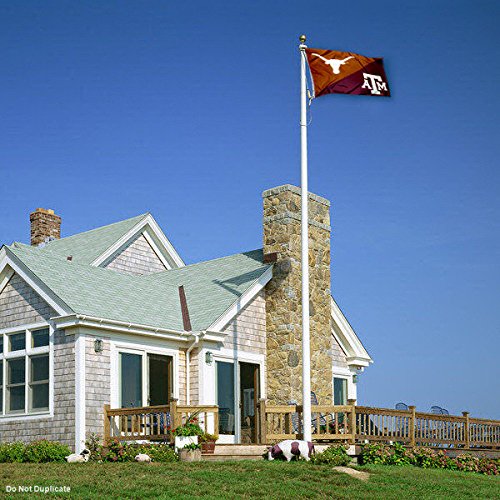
<point>20,305</point>
<point>283,296</point>
<point>97,383</point>
<point>138,258</point>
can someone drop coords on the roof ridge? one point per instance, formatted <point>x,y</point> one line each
<point>138,217</point>
<point>187,266</point>
<point>103,270</point>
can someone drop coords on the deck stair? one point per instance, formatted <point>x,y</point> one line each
<point>225,452</point>
<point>247,451</point>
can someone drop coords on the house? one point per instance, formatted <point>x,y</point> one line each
<point>114,316</point>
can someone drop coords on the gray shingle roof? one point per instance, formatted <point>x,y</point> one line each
<point>211,287</point>
<point>87,246</point>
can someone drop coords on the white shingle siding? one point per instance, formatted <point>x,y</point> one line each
<point>338,355</point>
<point>97,383</point>
<point>138,258</point>
<point>182,377</point>
<point>194,381</point>
<point>20,305</point>
<point>247,330</point>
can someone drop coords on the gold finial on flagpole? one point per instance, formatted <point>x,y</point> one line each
<point>302,38</point>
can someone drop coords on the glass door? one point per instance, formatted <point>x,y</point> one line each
<point>160,379</point>
<point>130,380</point>
<point>225,400</point>
<point>249,398</point>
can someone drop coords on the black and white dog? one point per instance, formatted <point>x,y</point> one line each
<point>78,458</point>
<point>291,448</point>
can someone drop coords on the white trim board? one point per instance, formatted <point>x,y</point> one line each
<point>80,399</point>
<point>38,285</point>
<point>346,337</point>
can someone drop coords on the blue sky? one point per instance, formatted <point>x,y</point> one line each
<point>190,110</point>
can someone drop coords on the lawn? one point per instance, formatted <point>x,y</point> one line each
<point>248,479</point>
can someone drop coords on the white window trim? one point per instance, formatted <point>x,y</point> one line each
<point>27,353</point>
<point>346,373</point>
<point>116,347</point>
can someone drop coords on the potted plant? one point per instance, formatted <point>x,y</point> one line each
<point>207,442</point>
<point>187,433</point>
<point>190,453</point>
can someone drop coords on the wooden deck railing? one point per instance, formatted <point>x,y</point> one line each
<point>361,424</point>
<point>156,423</point>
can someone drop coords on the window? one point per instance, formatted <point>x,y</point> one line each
<point>24,371</point>
<point>339,391</point>
<point>145,379</point>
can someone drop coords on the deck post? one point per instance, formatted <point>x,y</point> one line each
<point>173,414</point>
<point>467,429</point>
<point>352,420</point>
<point>413,410</point>
<point>107,427</point>
<point>262,422</point>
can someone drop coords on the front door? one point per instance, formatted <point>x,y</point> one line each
<point>249,398</point>
<point>160,379</point>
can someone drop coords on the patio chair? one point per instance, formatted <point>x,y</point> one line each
<point>403,422</point>
<point>316,418</point>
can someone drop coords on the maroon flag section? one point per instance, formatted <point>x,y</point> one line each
<point>335,72</point>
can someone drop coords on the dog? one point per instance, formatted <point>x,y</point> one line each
<point>78,458</point>
<point>143,458</point>
<point>291,448</point>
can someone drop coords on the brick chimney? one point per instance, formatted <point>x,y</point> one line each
<point>283,296</point>
<point>45,224</point>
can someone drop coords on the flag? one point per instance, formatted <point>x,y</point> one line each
<point>335,72</point>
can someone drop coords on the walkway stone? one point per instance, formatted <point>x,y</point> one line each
<point>363,476</point>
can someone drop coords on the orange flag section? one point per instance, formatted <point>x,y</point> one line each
<point>336,72</point>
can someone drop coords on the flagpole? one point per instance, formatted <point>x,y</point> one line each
<point>306,348</point>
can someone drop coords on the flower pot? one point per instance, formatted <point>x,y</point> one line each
<point>181,441</point>
<point>189,455</point>
<point>208,447</point>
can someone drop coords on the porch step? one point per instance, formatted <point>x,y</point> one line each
<point>225,452</point>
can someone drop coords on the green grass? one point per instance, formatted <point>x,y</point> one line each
<point>248,479</point>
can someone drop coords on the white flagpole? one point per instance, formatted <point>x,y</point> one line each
<point>306,348</point>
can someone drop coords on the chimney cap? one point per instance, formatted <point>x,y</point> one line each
<point>45,211</point>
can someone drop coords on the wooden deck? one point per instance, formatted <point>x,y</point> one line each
<point>349,424</point>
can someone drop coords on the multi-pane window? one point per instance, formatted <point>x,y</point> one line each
<point>24,371</point>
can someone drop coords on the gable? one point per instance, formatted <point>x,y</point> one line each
<point>137,258</point>
<point>21,305</point>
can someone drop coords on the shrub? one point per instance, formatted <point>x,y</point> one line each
<point>374,454</point>
<point>118,452</point>
<point>46,451</point>
<point>426,458</point>
<point>35,452</point>
<point>12,452</point>
<point>333,455</point>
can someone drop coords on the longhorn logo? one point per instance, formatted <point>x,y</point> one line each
<point>334,63</point>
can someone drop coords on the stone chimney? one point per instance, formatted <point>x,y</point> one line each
<point>45,225</point>
<point>283,296</point>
